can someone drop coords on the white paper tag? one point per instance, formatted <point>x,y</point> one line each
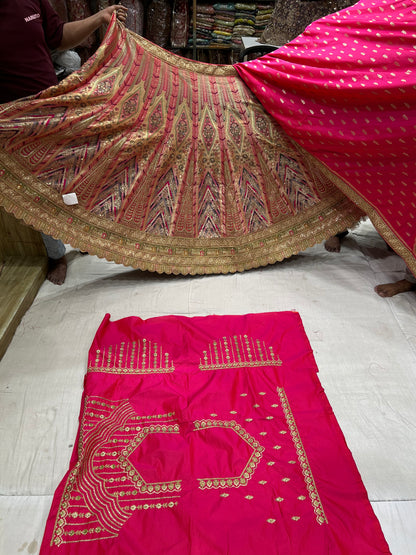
<point>70,199</point>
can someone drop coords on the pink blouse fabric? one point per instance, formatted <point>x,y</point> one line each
<point>208,436</point>
<point>345,90</point>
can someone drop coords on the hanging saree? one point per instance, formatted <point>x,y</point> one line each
<point>164,164</point>
<point>345,90</point>
<point>208,436</point>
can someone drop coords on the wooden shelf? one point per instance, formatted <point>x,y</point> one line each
<point>23,265</point>
<point>20,280</point>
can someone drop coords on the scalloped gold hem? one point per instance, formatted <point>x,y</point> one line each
<point>41,208</point>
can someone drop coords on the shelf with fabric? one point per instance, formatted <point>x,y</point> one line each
<point>221,25</point>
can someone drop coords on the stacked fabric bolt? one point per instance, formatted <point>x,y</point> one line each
<point>245,20</point>
<point>204,24</point>
<point>223,23</point>
<point>263,14</point>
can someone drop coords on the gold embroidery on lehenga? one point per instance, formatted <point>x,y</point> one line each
<point>123,127</point>
<point>303,459</point>
<point>239,351</point>
<point>143,356</point>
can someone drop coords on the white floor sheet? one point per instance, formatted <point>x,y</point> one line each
<point>365,348</point>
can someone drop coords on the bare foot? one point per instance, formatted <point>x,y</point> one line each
<point>391,289</point>
<point>333,244</point>
<point>56,270</point>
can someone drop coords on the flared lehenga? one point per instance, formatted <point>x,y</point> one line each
<point>175,165</point>
<point>185,167</point>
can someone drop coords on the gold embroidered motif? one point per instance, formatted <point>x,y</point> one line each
<point>136,357</point>
<point>251,465</point>
<point>303,459</point>
<point>148,506</point>
<point>249,497</point>
<point>279,499</point>
<point>106,502</point>
<point>271,520</point>
<point>238,352</point>
<point>134,474</point>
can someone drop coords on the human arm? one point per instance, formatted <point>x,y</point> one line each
<point>75,32</point>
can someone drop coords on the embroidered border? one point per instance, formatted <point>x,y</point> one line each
<point>238,351</point>
<point>252,463</point>
<point>134,474</point>
<point>303,459</point>
<point>136,357</point>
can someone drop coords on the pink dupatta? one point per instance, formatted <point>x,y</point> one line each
<point>345,90</point>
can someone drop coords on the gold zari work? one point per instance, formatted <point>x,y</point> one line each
<point>175,165</point>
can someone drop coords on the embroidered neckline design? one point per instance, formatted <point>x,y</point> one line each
<point>143,356</point>
<point>238,351</point>
<point>251,465</point>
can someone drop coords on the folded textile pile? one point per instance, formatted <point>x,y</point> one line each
<point>223,23</point>
<point>245,18</point>
<point>204,25</point>
<point>250,20</point>
<point>263,15</point>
